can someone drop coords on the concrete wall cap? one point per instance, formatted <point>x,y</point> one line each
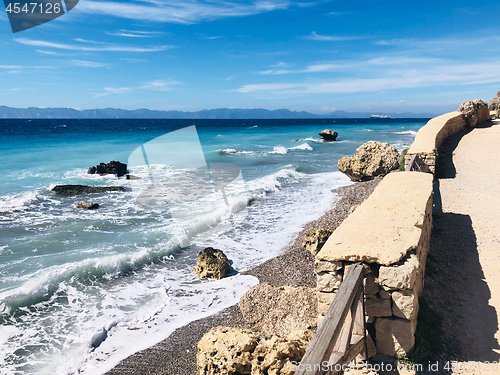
<point>387,225</point>
<point>425,140</point>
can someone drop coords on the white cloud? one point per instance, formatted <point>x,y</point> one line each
<point>121,90</point>
<point>160,85</point>
<point>100,47</point>
<point>88,64</point>
<point>276,72</point>
<point>325,38</point>
<point>180,11</point>
<point>136,34</point>
<point>403,78</point>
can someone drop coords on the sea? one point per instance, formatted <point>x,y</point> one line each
<point>81,290</point>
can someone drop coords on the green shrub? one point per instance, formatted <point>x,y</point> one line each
<point>402,164</point>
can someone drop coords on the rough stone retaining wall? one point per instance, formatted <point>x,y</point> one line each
<point>390,234</point>
<point>430,137</point>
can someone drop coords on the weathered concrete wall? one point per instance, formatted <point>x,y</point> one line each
<point>390,234</point>
<point>430,137</point>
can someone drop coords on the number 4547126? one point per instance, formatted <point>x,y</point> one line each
<point>46,8</point>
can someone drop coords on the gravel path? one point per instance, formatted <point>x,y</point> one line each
<point>176,355</point>
<point>463,271</point>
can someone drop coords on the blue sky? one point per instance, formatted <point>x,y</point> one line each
<point>390,56</point>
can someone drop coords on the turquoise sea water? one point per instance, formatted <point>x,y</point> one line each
<point>122,274</point>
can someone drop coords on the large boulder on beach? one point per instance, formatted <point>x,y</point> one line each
<point>230,351</point>
<point>329,135</point>
<point>279,310</point>
<point>494,104</point>
<point>113,167</point>
<point>372,159</point>
<point>212,263</point>
<point>315,239</point>
<point>69,190</point>
<point>475,112</point>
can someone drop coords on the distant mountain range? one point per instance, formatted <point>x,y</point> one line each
<point>221,113</point>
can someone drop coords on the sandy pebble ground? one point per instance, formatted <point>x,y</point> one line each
<point>176,355</point>
<point>462,282</point>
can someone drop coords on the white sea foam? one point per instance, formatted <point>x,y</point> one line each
<point>13,202</point>
<point>281,150</point>
<point>409,132</point>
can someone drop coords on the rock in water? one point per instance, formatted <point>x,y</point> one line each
<point>113,167</point>
<point>475,112</point>
<point>212,263</point>
<point>69,190</point>
<point>315,239</point>
<point>371,159</point>
<point>279,310</point>
<point>87,206</point>
<point>227,350</point>
<point>329,135</point>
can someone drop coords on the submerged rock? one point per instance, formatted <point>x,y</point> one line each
<point>315,239</point>
<point>329,135</point>
<point>87,206</point>
<point>227,350</point>
<point>113,167</point>
<point>279,310</point>
<point>69,190</point>
<point>212,263</point>
<point>475,112</point>
<point>371,159</point>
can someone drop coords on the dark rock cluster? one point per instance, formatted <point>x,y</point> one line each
<point>113,167</point>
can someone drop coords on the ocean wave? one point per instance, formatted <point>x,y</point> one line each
<point>409,132</point>
<point>280,150</point>
<point>9,203</point>
<point>204,213</point>
<point>303,147</point>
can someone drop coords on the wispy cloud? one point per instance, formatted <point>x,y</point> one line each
<point>88,64</point>
<point>136,34</point>
<point>402,78</point>
<point>121,90</point>
<point>80,47</point>
<point>180,11</point>
<point>24,67</point>
<point>132,61</point>
<point>276,72</point>
<point>329,38</point>
<point>160,85</point>
<point>157,85</point>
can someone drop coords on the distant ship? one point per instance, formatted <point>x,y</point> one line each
<point>380,116</point>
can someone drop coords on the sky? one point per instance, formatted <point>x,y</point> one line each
<point>315,56</point>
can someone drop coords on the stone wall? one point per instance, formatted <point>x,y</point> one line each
<point>430,137</point>
<point>389,233</point>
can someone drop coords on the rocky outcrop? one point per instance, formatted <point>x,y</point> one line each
<point>212,263</point>
<point>371,159</point>
<point>494,104</point>
<point>329,135</point>
<point>475,112</point>
<point>279,310</point>
<point>87,206</point>
<point>315,239</point>
<point>113,167</point>
<point>69,190</point>
<point>230,351</point>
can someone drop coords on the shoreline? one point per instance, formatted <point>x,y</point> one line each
<point>176,355</point>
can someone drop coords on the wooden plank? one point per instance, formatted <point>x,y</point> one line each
<point>358,344</point>
<point>330,328</point>
<point>410,166</point>
<point>348,330</point>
